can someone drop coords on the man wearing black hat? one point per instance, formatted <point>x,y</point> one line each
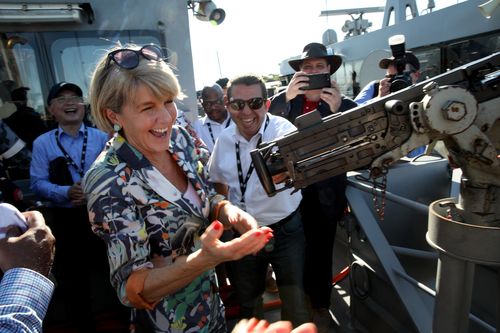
<point>60,159</point>
<point>381,88</point>
<point>297,99</point>
<point>323,203</point>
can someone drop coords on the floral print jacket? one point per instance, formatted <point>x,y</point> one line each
<point>137,212</point>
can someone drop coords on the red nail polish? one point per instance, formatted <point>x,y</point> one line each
<point>217,225</point>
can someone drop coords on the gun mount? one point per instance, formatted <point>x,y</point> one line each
<point>376,134</point>
<point>459,108</point>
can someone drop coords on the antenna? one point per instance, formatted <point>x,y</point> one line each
<point>358,25</point>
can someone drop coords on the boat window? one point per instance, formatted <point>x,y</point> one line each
<point>19,68</point>
<point>430,62</point>
<point>463,52</point>
<point>75,55</point>
<point>409,14</point>
<point>390,19</point>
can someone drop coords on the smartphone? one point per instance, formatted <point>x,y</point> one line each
<point>318,81</point>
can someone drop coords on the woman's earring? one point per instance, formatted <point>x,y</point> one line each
<point>116,128</point>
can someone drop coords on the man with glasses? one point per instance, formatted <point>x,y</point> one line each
<point>60,159</point>
<point>324,202</point>
<point>216,119</point>
<point>381,88</point>
<point>231,169</point>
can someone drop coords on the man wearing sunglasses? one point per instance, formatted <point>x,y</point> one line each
<point>324,202</point>
<point>216,119</point>
<point>231,169</point>
<point>60,159</point>
<point>393,81</point>
<point>381,88</point>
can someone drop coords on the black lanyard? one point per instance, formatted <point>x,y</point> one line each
<point>243,182</point>
<point>68,158</point>
<point>210,129</point>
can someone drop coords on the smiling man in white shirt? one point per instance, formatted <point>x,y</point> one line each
<point>231,168</point>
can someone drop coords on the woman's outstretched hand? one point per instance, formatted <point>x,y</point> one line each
<point>250,242</point>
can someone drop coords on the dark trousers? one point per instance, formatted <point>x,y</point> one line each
<point>287,260</point>
<point>319,230</point>
<point>80,257</point>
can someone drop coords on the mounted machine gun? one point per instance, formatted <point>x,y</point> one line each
<point>459,108</point>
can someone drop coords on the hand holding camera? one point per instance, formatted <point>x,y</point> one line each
<point>302,82</point>
<point>402,61</point>
<point>400,81</point>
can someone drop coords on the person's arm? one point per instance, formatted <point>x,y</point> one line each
<point>39,174</point>
<point>230,215</point>
<point>159,282</point>
<point>140,280</point>
<point>24,299</point>
<point>366,93</point>
<point>221,188</point>
<point>26,260</point>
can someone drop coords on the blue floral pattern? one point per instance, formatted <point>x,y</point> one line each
<point>137,212</point>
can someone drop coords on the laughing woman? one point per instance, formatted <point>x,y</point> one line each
<point>149,200</point>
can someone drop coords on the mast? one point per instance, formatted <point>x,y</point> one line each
<point>399,8</point>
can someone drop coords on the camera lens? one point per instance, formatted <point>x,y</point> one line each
<point>398,84</point>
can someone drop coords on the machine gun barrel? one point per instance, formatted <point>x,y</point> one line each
<point>322,148</point>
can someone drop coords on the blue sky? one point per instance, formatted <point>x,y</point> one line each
<point>258,34</point>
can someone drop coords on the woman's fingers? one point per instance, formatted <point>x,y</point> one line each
<point>250,242</point>
<point>213,232</point>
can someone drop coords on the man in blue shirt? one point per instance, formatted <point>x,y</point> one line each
<point>25,290</point>
<point>59,161</point>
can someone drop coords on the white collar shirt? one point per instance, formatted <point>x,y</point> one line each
<point>209,130</point>
<point>223,169</point>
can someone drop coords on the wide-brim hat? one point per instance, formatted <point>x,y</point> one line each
<point>409,56</point>
<point>314,51</point>
<point>58,87</point>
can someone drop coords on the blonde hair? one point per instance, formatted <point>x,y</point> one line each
<point>112,86</point>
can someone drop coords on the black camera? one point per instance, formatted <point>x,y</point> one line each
<point>318,81</point>
<point>402,79</point>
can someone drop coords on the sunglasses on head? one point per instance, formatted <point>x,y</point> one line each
<point>129,59</point>
<point>253,103</point>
